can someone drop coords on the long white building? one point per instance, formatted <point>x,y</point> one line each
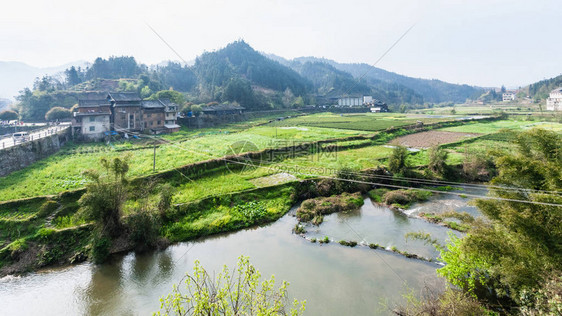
<point>554,102</point>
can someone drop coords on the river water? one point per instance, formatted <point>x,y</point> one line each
<point>334,280</point>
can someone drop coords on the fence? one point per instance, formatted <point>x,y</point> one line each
<point>32,135</point>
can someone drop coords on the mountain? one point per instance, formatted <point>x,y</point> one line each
<point>17,75</point>
<point>540,90</point>
<point>240,61</point>
<point>434,91</point>
<point>4,104</point>
<point>332,82</point>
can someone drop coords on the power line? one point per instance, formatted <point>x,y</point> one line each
<point>379,184</point>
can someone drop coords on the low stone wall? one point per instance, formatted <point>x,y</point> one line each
<point>22,155</point>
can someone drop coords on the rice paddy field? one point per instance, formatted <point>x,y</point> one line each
<point>357,121</point>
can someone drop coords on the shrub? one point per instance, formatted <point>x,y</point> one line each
<point>8,115</point>
<point>404,198</point>
<point>313,209</point>
<point>240,292</point>
<point>166,194</point>
<point>437,160</point>
<point>47,208</point>
<point>100,248</point>
<point>143,227</point>
<point>398,160</point>
<point>57,113</point>
<point>348,243</point>
<point>17,247</point>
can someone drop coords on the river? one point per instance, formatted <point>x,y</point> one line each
<point>334,280</point>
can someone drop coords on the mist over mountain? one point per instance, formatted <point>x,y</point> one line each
<point>431,90</point>
<point>14,75</point>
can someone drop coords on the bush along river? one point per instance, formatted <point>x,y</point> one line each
<point>332,278</point>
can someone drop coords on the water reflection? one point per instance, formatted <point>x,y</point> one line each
<point>334,280</point>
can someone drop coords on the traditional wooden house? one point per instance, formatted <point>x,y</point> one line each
<point>99,113</point>
<point>126,110</point>
<point>153,116</point>
<point>171,115</point>
<point>92,117</point>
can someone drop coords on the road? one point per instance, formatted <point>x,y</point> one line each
<point>33,135</point>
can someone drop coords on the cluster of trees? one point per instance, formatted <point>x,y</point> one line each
<point>506,261</point>
<point>402,87</point>
<point>541,90</point>
<point>231,73</point>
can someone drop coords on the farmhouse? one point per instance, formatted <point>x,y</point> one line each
<point>98,113</point>
<point>554,102</point>
<point>92,118</point>
<point>350,101</point>
<point>508,96</point>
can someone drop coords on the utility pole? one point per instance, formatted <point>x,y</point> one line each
<point>154,160</point>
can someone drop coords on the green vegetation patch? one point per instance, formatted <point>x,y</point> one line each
<point>313,210</point>
<point>227,212</point>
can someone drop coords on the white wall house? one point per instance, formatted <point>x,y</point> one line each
<point>350,101</point>
<point>554,102</point>
<point>94,126</point>
<point>367,99</point>
<point>508,96</point>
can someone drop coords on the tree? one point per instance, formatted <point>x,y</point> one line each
<point>437,160</point>
<point>196,109</point>
<point>105,195</point>
<point>510,255</point>
<point>239,292</point>
<point>398,160</point>
<point>174,96</point>
<point>72,76</point>
<point>58,113</point>
<point>8,115</point>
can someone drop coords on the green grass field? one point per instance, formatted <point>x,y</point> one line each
<point>356,121</point>
<point>492,127</point>
<point>63,171</point>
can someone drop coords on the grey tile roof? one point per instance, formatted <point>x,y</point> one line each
<point>92,103</point>
<point>152,104</point>
<point>125,96</point>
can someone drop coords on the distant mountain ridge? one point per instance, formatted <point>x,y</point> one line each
<point>432,90</point>
<point>15,75</point>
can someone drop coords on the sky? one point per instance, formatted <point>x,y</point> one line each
<point>478,42</point>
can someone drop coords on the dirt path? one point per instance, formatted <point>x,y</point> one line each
<point>431,138</point>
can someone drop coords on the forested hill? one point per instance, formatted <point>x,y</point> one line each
<point>541,90</point>
<point>434,91</point>
<point>240,61</point>
<point>330,81</point>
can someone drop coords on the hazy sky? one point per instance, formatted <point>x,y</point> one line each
<point>479,42</point>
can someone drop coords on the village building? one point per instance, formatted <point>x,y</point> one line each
<point>99,113</point>
<point>92,116</point>
<point>350,101</point>
<point>508,96</point>
<point>126,110</point>
<point>554,102</point>
<point>171,115</point>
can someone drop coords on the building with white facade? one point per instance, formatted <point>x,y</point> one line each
<point>508,96</point>
<point>367,99</point>
<point>350,101</point>
<point>554,102</point>
<point>92,118</point>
